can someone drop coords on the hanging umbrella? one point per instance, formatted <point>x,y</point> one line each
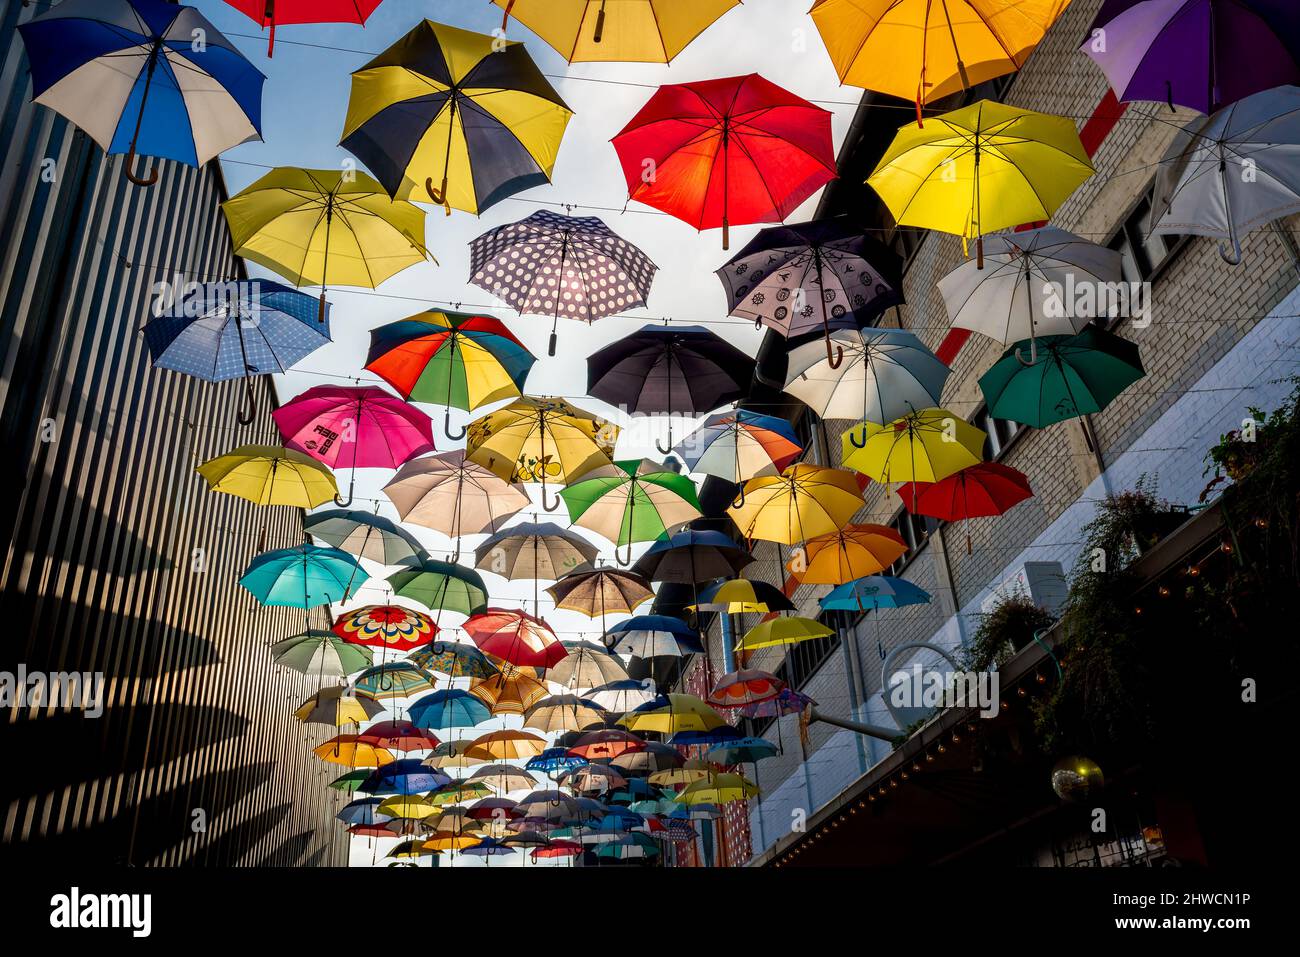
<point>507,745</point>
<point>398,679</point>
<point>802,502</point>
<point>593,779</point>
<point>363,811</point>
<point>549,264</point>
<point>540,440</point>
<point>556,848</point>
<point>363,534</point>
<point>503,778</point>
<point>392,627</point>
<point>449,708</point>
<point>458,792</point>
<point>740,445</point>
<point>630,847</point>
<point>303,576</point>
<point>317,226</point>
<point>454,496</point>
<point>888,373</point>
<point>272,13</point>
<point>407,807</point>
<point>718,735</point>
<point>1200,54</point>
<point>650,636</point>
<point>453,659</point>
<point>552,761</point>
<point>510,692</point>
<point>516,637</point>
<point>455,359</point>
<point>320,653</point>
<point>606,744</point>
<point>130,74</point>
<point>488,847</point>
<point>692,770</point>
<point>405,776</point>
<point>1077,375</point>
<point>496,808</point>
<point>350,782</point>
<point>534,551</point>
<point>630,31</point>
<point>727,151</point>
<point>228,330</point>
<point>547,805</point>
<point>1232,172</point>
<point>788,701</point>
<point>850,552</point>
<point>337,706</point>
<point>775,279</point>
<point>673,713</point>
<point>399,736</point>
<point>744,686</point>
<point>743,751</point>
<point>441,586</point>
<point>718,789</point>
<point>782,631</point>
<point>653,757</point>
<point>1023,291</point>
<point>587,666</point>
<point>981,169</point>
<point>631,501</point>
<point>451,754</point>
<point>618,697</point>
<point>925,446</point>
<point>682,370</point>
<point>594,592</point>
<point>559,713</point>
<point>986,489</point>
<point>743,595</point>
<point>925,51</point>
<point>467,109</point>
<point>354,427</point>
<point>270,475</point>
<point>874,591</point>
<point>692,556</point>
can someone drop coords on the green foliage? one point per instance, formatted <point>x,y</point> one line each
<point>1003,631</point>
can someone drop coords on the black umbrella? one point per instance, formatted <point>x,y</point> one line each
<point>692,556</point>
<point>686,370</point>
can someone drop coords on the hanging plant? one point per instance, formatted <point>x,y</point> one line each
<point>1010,626</point>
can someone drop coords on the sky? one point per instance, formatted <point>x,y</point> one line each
<point>304,104</point>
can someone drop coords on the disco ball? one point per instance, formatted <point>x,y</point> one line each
<point>1076,779</point>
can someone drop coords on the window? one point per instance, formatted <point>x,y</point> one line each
<point>1143,255</point>
<point>1000,432</point>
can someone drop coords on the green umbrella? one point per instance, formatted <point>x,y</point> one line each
<point>321,653</point>
<point>351,781</point>
<point>441,585</point>
<point>631,501</point>
<point>1070,376</point>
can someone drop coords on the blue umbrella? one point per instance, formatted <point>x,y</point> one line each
<point>131,74</point>
<point>406,776</point>
<point>740,445</point>
<point>742,751</point>
<point>363,811</point>
<point>554,760</point>
<point>449,708</point>
<point>721,735</point>
<point>489,847</point>
<point>874,591</point>
<point>303,576</point>
<point>648,636</point>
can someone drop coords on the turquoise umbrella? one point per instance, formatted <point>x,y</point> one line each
<point>449,708</point>
<point>303,576</point>
<point>742,751</point>
<point>874,591</point>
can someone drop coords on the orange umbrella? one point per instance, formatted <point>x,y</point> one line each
<point>855,551</point>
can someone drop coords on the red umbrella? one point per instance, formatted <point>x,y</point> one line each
<point>516,637</point>
<point>269,13</point>
<point>606,743</point>
<point>386,626</point>
<point>557,849</point>
<point>985,489</point>
<point>746,686</point>
<point>734,150</point>
<point>399,736</point>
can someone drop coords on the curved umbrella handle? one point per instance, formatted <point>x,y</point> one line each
<point>548,506</point>
<point>1033,354</point>
<point>853,438</point>
<point>446,428</point>
<point>1232,258</point>
<point>619,558</point>
<point>659,445</point>
<point>835,359</point>
<point>249,400</point>
<point>739,500</point>
<point>439,196</point>
<point>148,179</point>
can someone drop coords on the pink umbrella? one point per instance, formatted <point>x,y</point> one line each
<point>354,427</point>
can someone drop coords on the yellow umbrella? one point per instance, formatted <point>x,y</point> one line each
<point>683,712</point>
<point>922,50</point>
<point>347,750</point>
<point>923,446</point>
<point>802,502</point>
<point>717,789</point>
<point>507,745</point>
<point>854,551</point>
<point>452,842</point>
<point>511,691</point>
<point>316,226</point>
<point>693,770</point>
<point>456,792</point>
<point>625,31</point>
<point>411,806</point>
<point>980,169</point>
<point>782,631</point>
<point>271,475</point>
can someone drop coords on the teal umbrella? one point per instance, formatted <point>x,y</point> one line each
<point>1069,376</point>
<point>303,576</point>
<point>441,585</point>
<point>742,751</point>
<point>449,708</point>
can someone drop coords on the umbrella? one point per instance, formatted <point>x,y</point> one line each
<point>653,757</point>
<point>467,109</point>
<point>354,427</point>
<point>271,13</point>
<point>516,637</point>
<point>337,706</point>
<point>409,850</point>
<point>452,842</point>
<point>981,169</point>
<point>407,807</point>
<point>674,713</point>
<point>788,701</point>
<point>351,781</point>
<point>540,440</point>
<point>453,659</point>
<point>727,151</point>
<point>650,636</point>
<point>441,585</point>
<point>623,695</point>
<point>449,708</point>
<point>503,778</point>
<point>457,792</point>
<point>557,848</point>
<point>270,475</point>
<point>130,74</point>
<point>779,273</point>
<point>507,745</point>
<point>498,809</point>
<point>874,591</point>
<point>534,551</point>
<point>691,556</point>
<point>552,760</point>
<point>454,496</point>
<point>924,51</point>
<point>631,31</point>
<point>1202,187</point>
<point>782,631</point>
<point>405,776</point>
<point>399,679</point>
<point>802,502</point>
<point>363,811</point>
<point>889,372</point>
<point>684,370</point>
<point>606,744</point>
<point>302,577</point>
<point>1024,290</point>
<point>1195,53</point>
<point>399,736</point>
<point>630,846</point>
<point>593,779</point>
<point>631,501</point>
<point>694,769</point>
<point>595,591</point>
<point>316,226</point>
<point>363,534</point>
<point>548,264</point>
<point>386,626</point>
<point>320,653</point>
<point>925,446</point>
<point>488,847</point>
<point>227,330</point>
<point>744,686</point>
<point>986,489</point>
<point>559,713</point>
<point>1078,375</point>
<point>850,552</point>
<point>743,595</point>
<point>743,751</point>
<point>456,359</point>
<point>587,666</point>
<point>547,805</point>
<point>739,445</point>
<point>451,754</point>
<point>719,735</point>
<point>509,692</point>
<point>718,789</point>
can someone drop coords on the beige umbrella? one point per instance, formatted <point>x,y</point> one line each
<point>451,754</point>
<point>693,770</point>
<point>595,592</point>
<point>561,713</point>
<point>587,666</point>
<point>507,745</point>
<point>504,777</point>
<point>453,496</point>
<point>512,691</point>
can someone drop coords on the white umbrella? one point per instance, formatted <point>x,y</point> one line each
<point>587,666</point>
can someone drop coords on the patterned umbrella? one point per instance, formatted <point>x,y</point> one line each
<point>596,591</point>
<point>515,637</point>
<point>393,627</point>
<point>364,534</point>
<point>441,585</point>
<point>745,686</point>
<point>788,701</point>
<point>453,659</point>
<point>320,653</point>
<point>740,445</point>
<point>631,501</point>
<point>398,679</point>
<point>404,776</point>
<point>454,496</point>
<point>399,736</point>
<point>549,264</point>
<point>552,761</point>
<point>605,744</point>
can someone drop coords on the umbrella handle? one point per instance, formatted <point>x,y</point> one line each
<point>619,558</point>
<point>446,428</point>
<point>853,438</point>
<point>342,502</point>
<point>1033,353</point>
<point>550,506</point>
<point>148,179</point>
<point>739,500</point>
<point>438,196</point>
<point>600,24</point>
<point>660,447</point>
<point>836,359</point>
<point>250,400</point>
<point>1232,258</point>
<point>550,350</point>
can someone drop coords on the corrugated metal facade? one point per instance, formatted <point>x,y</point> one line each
<point>105,523</point>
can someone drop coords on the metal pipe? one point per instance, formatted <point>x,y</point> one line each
<point>870,730</point>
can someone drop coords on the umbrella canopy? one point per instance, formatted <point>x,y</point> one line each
<point>651,636</point>
<point>744,686</point>
<point>451,754</point>
<point>458,792</point>
<point>303,576</point>
<point>130,74</point>
<point>1202,187</point>
<point>386,626</point>
<point>496,808</point>
<point>692,556</point>
<point>727,151</point>
<point>271,13</point>
<point>874,591</point>
<point>449,708</point>
<point>547,805</point>
<point>692,770</point>
<point>454,659</point>
<point>739,445</point>
<point>560,713</point>
<point>596,591</point>
<point>606,744</point>
<point>673,713</point>
<point>653,757</point>
<point>788,701</point>
<point>454,496</point>
<point>623,695</point>
<point>782,631</point>
<point>338,706</point>
<point>534,550</point>
<point>510,692</point>
<point>882,374</point>
<point>850,552</point>
<point>553,760</point>
<point>631,501</point>
<point>503,778</point>
<point>802,502</point>
<point>718,789</point>
<point>363,534</point>
<point>743,595</point>
<point>516,637</point>
<point>441,585</point>
<point>364,811</point>
<point>507,745</point>
<point>1196,53</point>
<point>404,776</point>
<point>925,446</point>
<point>455,359</point>
<point>320,653</point>
<point>408,808</point>
<point>1075,375</point>
<point>464,119</point>
<point>270,475</point>
<point>559,265</point>
<point>981,169</point>
<point>986,489</point>
<point>399,736</point>
<point>351,781</point>
<point>632,31</point>
<point>587,666</point>
<point>743,751</point>
<point>398,679</point>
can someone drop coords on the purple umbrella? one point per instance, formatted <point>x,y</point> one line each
<point>1202,54</point>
